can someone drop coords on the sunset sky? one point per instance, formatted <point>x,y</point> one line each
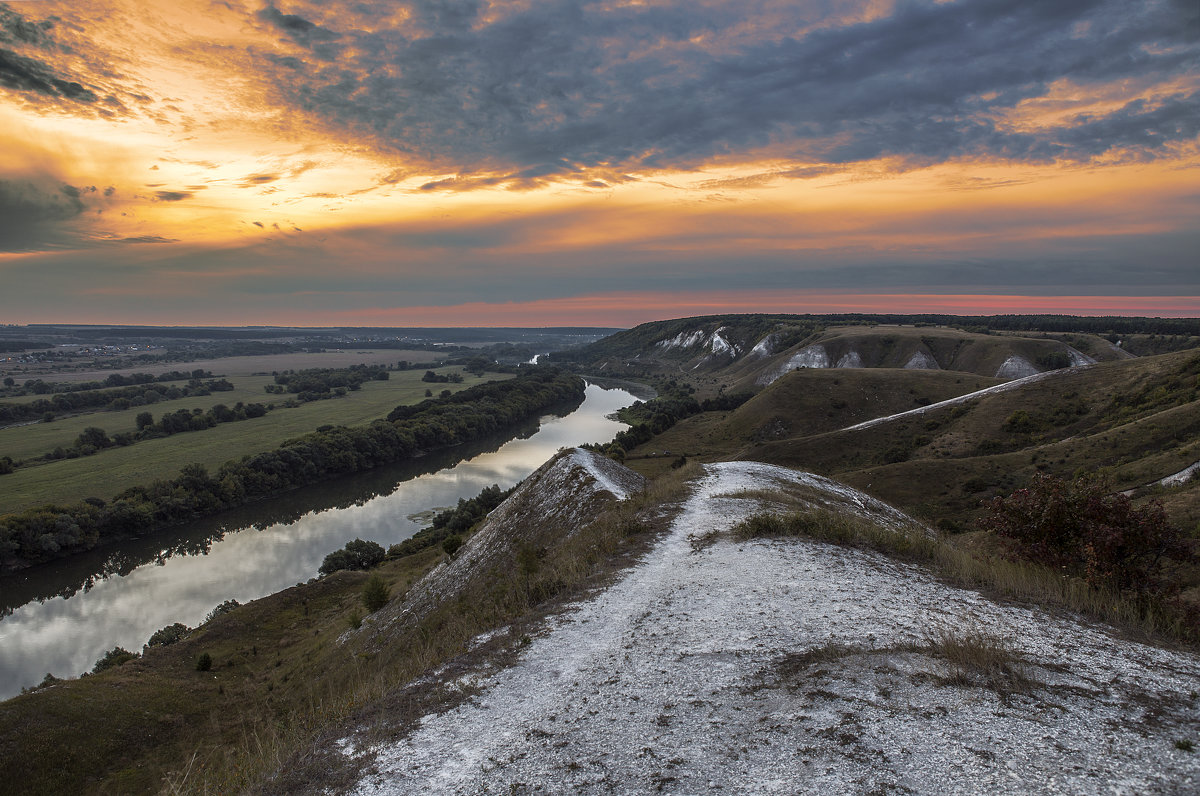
<point>555,162</point>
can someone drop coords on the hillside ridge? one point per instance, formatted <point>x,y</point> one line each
<point>718,663</point>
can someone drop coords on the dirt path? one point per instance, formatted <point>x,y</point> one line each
<point>786,666</point>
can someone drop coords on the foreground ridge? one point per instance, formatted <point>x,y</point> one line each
<point>786,666</point>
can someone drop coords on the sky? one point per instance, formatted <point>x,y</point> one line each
<point>567,162</point>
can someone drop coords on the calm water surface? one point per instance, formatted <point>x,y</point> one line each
<point>61,618</point>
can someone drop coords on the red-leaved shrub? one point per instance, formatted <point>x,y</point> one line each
<point>1086,528</point>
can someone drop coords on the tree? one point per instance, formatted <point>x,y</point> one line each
<point>114,657</point>
<point>355,555</point>
<point>168,635</point>
<point>96,437</point>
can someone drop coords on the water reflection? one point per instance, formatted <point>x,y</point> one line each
<point>61,618</point>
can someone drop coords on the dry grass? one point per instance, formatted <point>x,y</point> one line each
<point>978,658</point>
<point>991,573</point>
<point>841,528</point>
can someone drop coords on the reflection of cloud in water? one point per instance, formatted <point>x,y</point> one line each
<point>66,635</point>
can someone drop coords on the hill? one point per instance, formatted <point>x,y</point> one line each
<point>1134,420</point>
<point>737,352</point>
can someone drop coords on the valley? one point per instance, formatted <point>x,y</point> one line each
<point>726,575</point>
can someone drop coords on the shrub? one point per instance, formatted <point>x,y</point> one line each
<point>355,555</point>
<point>451,544</point>
<point>204,662</point>
<point>114,657</point>
<point>223,608</point>
<point>374,594</point>
<point>1081,525</point>
<point>168,635</point>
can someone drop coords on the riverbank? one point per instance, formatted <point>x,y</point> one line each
<point>61,616</point>
<point>51,532</point>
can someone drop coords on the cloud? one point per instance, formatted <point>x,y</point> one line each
<point>33,212</point>
<point>148,239</point>
<point>27,74</point>
<point>561,87</point>
<point>172,196</point>
<point>253,180</point>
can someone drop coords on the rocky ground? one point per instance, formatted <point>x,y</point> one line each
<point>791,666</point>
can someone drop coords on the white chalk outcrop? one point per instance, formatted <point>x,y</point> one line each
<point>562,496</point>
<point>920,360</point>
<point>813,356</point>
<point>682,340</point>
<point>1015,367</point>
<point>850,359</point>
<point>719,345</point>
<point>764,347</point>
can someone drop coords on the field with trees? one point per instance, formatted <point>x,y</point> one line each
<point>117,468</point>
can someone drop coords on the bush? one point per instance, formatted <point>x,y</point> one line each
<point>168,635</point>
<point>223,608</point>
<point>114,657</point>
<point>1082,526</point>
<point>355,555</point>
<point>374,594</point>
<point>204,662</point>
<point>451,544</point>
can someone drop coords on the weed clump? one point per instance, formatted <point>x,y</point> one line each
<point>978,658</point>
<point>204,662</point>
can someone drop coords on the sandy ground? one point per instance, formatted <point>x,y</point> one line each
<point>788,666</point>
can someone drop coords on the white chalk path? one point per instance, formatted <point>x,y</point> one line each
<point>668,681</point>
<point>920,410</point>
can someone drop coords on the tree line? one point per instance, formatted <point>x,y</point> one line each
<point>315,383</point>
<point>40,387</point>
<point>53,531</point>
<point>116,399</point>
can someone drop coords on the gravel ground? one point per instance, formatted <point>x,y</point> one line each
<point>788,666</point>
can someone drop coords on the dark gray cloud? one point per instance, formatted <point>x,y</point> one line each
<point>28,74</point>
<point>148,239</point>
<point>172,196</point>
<point>16,29</point>
<point>33,212</point>
<point>51,61</point>
<point>565,87</point>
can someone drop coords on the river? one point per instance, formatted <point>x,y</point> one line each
<point>60,618</point>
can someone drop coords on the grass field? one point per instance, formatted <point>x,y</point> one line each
<point>114,469</point>
<point>34,439</point>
